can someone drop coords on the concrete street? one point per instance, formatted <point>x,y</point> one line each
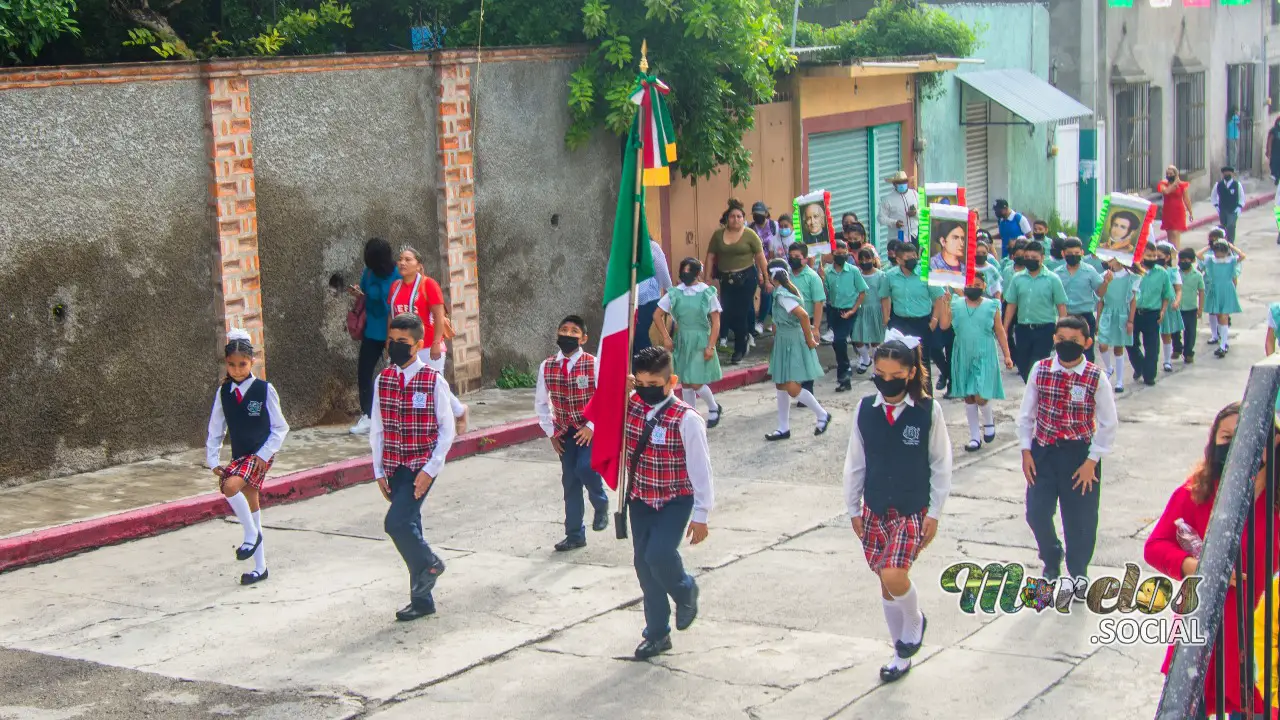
<point>790,625</point>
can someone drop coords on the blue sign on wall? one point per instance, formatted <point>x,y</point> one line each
<point>426,37</point>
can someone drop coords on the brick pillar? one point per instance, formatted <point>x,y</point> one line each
<point>457,212</point>
<point>235,210</point>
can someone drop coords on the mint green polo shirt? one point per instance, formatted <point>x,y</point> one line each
<point>1192,285</point>
<point>1037,297</point>
<point>910,296</point>
<point>1082,288</point>
<point>1156,287</point>
<point>810,287</point>
<point>844,286</point>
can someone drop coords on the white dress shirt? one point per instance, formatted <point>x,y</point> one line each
<point>665,303</point>
<point>542,397</point>
<point>1104,401</point>
<point>218,424</point>
<point>893,209</point>
<point>697,456</point>
<point>855,461</point>
<point>656,286</point>
<point>446,427</point>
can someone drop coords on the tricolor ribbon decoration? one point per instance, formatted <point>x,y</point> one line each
<point>922,235</point>
<point>1103,210</point>
<point>1144,235</point>
<point>658,133</point>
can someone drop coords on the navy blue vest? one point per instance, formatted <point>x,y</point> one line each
<point>1010,230</point>
<point>897,456</point>
<point>248,422</point>
<point>1228,197</point>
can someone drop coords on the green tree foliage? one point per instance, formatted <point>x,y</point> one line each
<point>897,28</point>
<point>26,26</point>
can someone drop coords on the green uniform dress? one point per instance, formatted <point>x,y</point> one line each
<point>1112,322</point>
<point>1172,322</point>
<point>1220,295</point>
<point>792,360</point>
<point>693,330</point>
<point>868,324</point>
<point>995,282</point>
<point>975,357</point>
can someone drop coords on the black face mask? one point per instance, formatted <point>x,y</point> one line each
<point>840,259</point>
<point>568,344</point>
<point>973,293</point>
<point>890,387</point>
<point>400,353</point>
<point>1038,236</point>
<point>1017,262</point>
<point>1073,260</point>
<point>1170,177</point>
<point>1031,265</point>
<point>651,395</point>
<point>867,266</point>
<point>759,219</point>
<point>855,245</point>
<point>688,277</point>
<point>980,260</point>
<point>1220,456</point>
<point>795,263</point>
<point>1069,350</point>
<point>847,228</point>
<point>1148,264</point>
<point>911,264</point>
<point>1184,266</point>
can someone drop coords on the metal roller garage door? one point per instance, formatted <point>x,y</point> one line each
<point>975,158</point>
<point>839,162</point>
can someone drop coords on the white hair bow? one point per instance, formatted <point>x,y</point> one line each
<point>238,334</point>
<point>911,341</point>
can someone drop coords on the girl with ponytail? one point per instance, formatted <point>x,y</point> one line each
<point>795,358</point>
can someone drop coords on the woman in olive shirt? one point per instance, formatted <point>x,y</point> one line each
<point>737,256</point>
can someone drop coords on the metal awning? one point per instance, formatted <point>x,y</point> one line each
<point>1025,95</point>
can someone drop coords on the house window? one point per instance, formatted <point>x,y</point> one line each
<point>1273,89</point>
<point>1133,137</point>
<point>1189,122</point>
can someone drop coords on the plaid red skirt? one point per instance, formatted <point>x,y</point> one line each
<point>892,540</point>
<point>244,468</point>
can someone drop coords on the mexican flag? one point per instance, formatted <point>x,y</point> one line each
<point>650,138</point>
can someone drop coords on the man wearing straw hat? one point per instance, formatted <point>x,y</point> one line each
<point>898,211</point>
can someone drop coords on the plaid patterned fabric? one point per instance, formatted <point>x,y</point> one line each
<point>891,540</point>
<point>661,473</point>
<point>570,391</point>
<point>243,468</point>
<point>408,433</point>
<point>1065,411</point>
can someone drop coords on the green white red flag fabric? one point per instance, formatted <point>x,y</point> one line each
<point>650,137</point>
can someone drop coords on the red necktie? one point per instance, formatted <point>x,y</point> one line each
<point>565,366</point>
<point>888,413</point>
<point>239,395</point>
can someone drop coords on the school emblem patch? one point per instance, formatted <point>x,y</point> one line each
<point>582,382</point>
<point>911,435</point>
<point>253,408</point>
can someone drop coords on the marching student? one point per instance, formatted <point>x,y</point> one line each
<point>1010,266</point>
<point>912,306</point>
<point>1221,300</point>
<point>566,381</point>
<point>813,294</point>
<point>1155,295</point>
<point>670,488</point>
<point>1081,283</point>
<point>847,292</point>
<point>988,270</point>
<point>1191,307</point>
<point>868,322</point>
<point>975,369</point>
<point>1036,299</point>
<point>696,309</point>
<point>413,429</point>
<point>794,359</point>
<point>897,475</point>
<point>1067,423</point>
<point>1116,310</point>
<point>249,409</point>
<point>418,293</point>
<point>1171,322</point>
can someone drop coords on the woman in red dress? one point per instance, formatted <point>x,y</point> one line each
<point>1177,206</point>
<point>1192,503</point>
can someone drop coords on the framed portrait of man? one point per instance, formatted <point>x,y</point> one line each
<point>950,245</point>
<point>1123,228</point>
<point>813,216</point>
<point>943,194</point>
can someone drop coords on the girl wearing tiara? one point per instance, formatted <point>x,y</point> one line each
<point>249,409</point>
<point>897,475</point>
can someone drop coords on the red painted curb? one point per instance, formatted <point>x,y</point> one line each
<point>1212,219</point>
<point>57,542</point>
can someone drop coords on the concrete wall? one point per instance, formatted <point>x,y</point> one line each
<point>544,214</point>
<point>1011,36</point>
<point>104,200</point>
<point>340,157</point>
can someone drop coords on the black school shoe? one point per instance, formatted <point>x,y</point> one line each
<point>426,581</point>
<point>252,577</point>
<point>686,614</point>
<point>568,544</point>
<point>890,674</point>
<point>600,522</point>
<point>653,648</point>
<point>246,551</point>
<point>713,418</point>
<point>778,435</point>
<point>822,425</point>
<point>413,612</point>
<point>905,649</point>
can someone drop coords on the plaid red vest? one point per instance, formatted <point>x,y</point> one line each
<point>662,472</point>
<point>570,391</point>
<point>409,433</point>
<point>1065,411</point>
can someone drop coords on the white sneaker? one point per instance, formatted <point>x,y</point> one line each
<point>724,342</point>
<point>759,328</point>
<point>362,426</point>
<point>751,341</point>
<point>829,337</point>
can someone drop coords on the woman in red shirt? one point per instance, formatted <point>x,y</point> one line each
<point>1177,206</point>
<point>1192,503</point>
<point>417,293</point>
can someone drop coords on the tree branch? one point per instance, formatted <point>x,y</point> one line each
<point>140,11</point>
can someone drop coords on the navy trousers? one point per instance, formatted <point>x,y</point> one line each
<point>644,319</point>
<point>1144,353</point>
<point>575,476</point>
<point>655,538</point>
<point>404,525</point>
<point>1035,343</point>
<point>1055,465</point>
<point>843,328</point>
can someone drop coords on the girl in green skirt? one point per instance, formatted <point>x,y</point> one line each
<point>1220,297</point>
<point>696,309</point>
<point>1119,293</point>
<point>1171,324</point>
<point>795,355</point>
<point>868,324</point>
<point>975,367</point>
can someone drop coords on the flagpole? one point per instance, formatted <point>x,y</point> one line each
<point>624,481</point>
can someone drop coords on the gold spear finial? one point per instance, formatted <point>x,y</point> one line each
<point>644,56</point>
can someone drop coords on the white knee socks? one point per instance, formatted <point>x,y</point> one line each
<point>260,556</point>
<point>1104,356</point>
<point>784,411</point>
<point>1119,370</point>
<point>704,392</point>
<point>1167,352</point>
<point>1213,328</point>
<point>893,618</point>
<point>1222,337</point>
<point>912,620</point>
<point>988,417</point>
<point>688,395</point>
<point>240,506</point>
<point>975,432</point>
<point>807,399</point>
